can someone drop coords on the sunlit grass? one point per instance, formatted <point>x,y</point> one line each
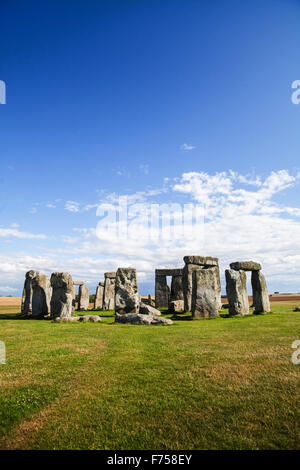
<point>220,383</point>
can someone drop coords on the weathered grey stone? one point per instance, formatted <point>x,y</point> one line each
<point>176,288</point>
<point>98,303</point>
<point>245,266</point>
<point>206,295</point>
<point>27,304</point>
<point>66,319</point>
<point>90,318</point>
<point>176,306</point>
<point>110,275</point>
<point>78,283</point>
<point>127,298</point>
<point>261,301</point>
<point>138,318</point>
<point>161,291</point>
<point>201,260</point>
<point>169,272</point>
<point>23,300</point>
<point>84,297</point>
<point>109,291</point>
<point>236,288</point>
<point>74,298</point>
<point>41,295</point>
<point>81,318</point>
<point>62,295</point>
<point>187,284</point>
<point>148,310</point>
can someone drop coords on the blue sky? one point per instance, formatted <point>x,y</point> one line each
<point>155,100</point>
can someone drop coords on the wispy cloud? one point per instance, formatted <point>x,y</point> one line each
<point>72,206</point>
<point>7,290</point>
<point>11,232</point>
<point>187,147</point>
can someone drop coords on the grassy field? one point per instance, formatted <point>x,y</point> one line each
<point>225,383</point>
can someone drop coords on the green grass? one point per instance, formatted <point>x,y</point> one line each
<point>225,383</point>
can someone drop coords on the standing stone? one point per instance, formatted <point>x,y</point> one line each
<point>62,295</point>
<point>41,295</point>
<point>161,291</point>
<point>236,288</point>
<point>109,291</point>
<point>206,295</point>
<point>98,304</point>
<point>261,301</point>
<point>23,300</point>
<point>196,263</point>
<point>176,288</point>
<point>27,292</point>
<point>187,284</point>
<point>73,298</point>
<point>127,298</point>
<point>84,297</point>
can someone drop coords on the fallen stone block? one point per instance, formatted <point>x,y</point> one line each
<point>176,306</point>
<point>148,310</point>
<point>139,319</point>
<point>90,318</point>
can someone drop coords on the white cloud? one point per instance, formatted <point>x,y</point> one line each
<point>8,289</point>
<point>72,206</point>
<point>243,220</point>
<point>11,232</point>
<point>187,147</point>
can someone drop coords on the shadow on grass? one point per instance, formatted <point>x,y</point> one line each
<point>183,317</point>
<point>20,316</point>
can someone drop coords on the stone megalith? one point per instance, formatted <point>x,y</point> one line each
<point>98,304</point>
<point>23,300</point>
<point>206,292</point>
<point>176,306</point>
<point>127,298</point>
<point>176,288</point>
<point>62,295</point>
<point>245,266</point>
<point>161,291</point>
<point>41,295</point>
<point>261,301</point>
<point>109,291</point>
<point>73,298</point>
<point>195,263</point>
<point>84,297</point>
<point>236,288</point>
<point>27,292</point>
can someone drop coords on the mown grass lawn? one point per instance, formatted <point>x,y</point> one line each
<point>226,383</point>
